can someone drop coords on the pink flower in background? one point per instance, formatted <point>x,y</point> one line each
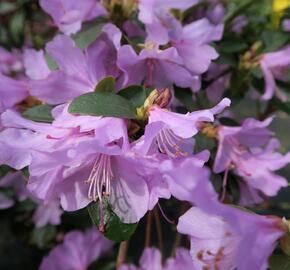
<point>155,14</point>
<point>69,15</point>
<point>251,153</point>
<point>192,44</point>
<point>286,25</point>
<point>156,68</point>
<point>47,213</point>
<point>78,251</point>
<point>12,92</point>
<point>151,260</point>
<point>10,62</point>
<point>273,64</point>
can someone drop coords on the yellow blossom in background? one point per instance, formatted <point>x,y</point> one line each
<point>280,5</point>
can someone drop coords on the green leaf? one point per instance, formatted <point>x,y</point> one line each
<point>185,97</point>
<point>136,94</point>
<point>274,40</point>
<point>4,169</point>
<point>282,106</point>
<point>106,85</point>
<point>232,45</point>
<point>39,113</point>
<point>115,230</point>
<point>102,104</point>
<point>87,36</point>
<point>228,122</point>
<point>6,7</point>
<point>17,26</point>
<point>52,65</point>
<point>43,236</point>
<point>279,262</point>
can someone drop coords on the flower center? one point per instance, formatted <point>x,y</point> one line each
<point>169,143</point>
<point>100,178</point>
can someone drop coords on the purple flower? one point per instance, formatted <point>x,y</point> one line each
<point>10,62</point>
<point>241,149</point>
<point>79,72</point>
<point>68,15</point>
<point>47,213</point>
<point>232,240</point>
<point>12,91</point>
<point>217,81</point>
<point>77,164</point>
<point>154,67</point>
<point>35,64</point>
<point>155,14</point>
<point>78,251</point>
<point>286,25</point>
<point>16,181</point>
<point>171,133</point>
<point>5,201</point>
<point>239,23</point>
<point>151,260</point>
<point>192,44</point>
<point>273,65</point>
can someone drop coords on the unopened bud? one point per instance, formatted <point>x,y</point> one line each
<point>163,98</point>
<point>285,240</point>
<point>209,130</point>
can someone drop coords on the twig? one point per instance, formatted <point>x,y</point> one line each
<point>148,229</point>
<point>122,254</point>
<point>159,229</point>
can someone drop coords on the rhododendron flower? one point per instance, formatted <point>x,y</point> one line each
<point>151,260</point>
<point>80,167</point>
<point>12,92</point>
<point>286,25</point>
<point>273,64</point>
<point>68,15</point>
<point>155,14</point>
<point>240,149</point>
<point>78,251</point>
<point>171,133</point>
<point>47,213</point>
<point>154,67</point>
<point>10,62</point>
<point>79,72</point>
<point>192,44</point>
<point>232,240</point>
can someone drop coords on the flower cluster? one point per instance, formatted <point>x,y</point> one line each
<point>115,126</point>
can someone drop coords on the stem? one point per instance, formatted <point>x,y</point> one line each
<point>148,229</point>
<point>159,229</point>
<point>122,254</point>
<point>183,208</point>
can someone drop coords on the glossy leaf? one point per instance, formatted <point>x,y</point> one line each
<point>115,230</point>
<point>40,113</point>
<point>102,104</point>
<point>106,85</point>
<point>136,94</point>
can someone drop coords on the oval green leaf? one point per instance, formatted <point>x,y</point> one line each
<point>102,104</point>
<point>115,230</point>
<point>39,113</point>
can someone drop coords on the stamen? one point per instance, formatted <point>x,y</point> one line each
<point>164,215</point>
<point>100,178</point>
<point>169,143</point>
